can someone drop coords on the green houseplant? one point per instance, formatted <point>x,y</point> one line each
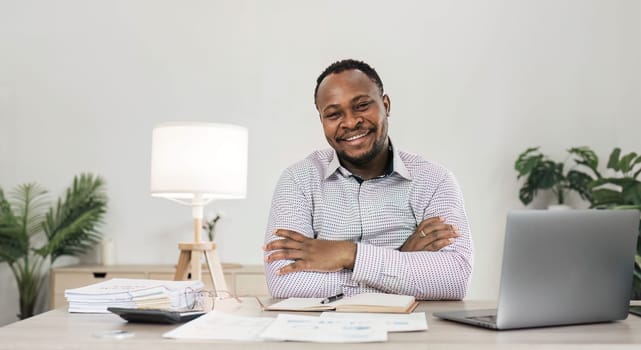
<point>69,227</point>
<point>618,187</point>
<point>210,227</point>
<point>621,189</point>
<point>542,173</point>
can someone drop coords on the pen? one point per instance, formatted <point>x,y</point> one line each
<point>327,300</point>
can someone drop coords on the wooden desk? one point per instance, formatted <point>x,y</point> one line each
<point>58,329</point>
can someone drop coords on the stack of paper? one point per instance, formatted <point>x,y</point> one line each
<point>133,293</point>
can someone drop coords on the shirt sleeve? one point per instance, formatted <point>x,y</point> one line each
<point>291,210</point>
<point>444,274</point>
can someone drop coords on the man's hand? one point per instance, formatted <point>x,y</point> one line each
<point>431,235</point>
<point>310,254</point>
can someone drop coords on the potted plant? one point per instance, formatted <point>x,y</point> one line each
<point>542,173</point>
<point>621,190</point>
<point>210,227</point>
<point>70,227</point>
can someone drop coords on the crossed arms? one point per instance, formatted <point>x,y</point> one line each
<point>433,261</point>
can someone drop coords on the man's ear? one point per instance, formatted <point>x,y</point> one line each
<point>387,103</point>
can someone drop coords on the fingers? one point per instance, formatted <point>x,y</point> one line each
<point>284,243</point>
<point>436,223</point>
<point>438,239</point>
<point>307,254</point>
<point>441,231</point>
<point>286,248</point>
<point>439,244</point>
<point>293,267</point>
<point>287,254</point>
<point>436,228</point>
<point>432,234</point>
<point>430,221</point>
<point>290,240</point>
<point>293,235</point>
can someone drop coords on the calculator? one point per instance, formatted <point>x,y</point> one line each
<point>155,315</point>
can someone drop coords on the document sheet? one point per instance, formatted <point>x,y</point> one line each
<point>218,325</point>
<point>325,330</point>
<point>392,322</point>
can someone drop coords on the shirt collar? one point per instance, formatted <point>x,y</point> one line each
<point>398,166</point>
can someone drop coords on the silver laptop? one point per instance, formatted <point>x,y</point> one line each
<point>562,267</point>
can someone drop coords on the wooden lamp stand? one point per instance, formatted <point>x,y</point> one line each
<point>191,254</point>
<point>193,163</point>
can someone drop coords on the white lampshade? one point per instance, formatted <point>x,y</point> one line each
<point>204,159</point>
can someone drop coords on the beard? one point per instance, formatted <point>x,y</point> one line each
<point>363,159</point>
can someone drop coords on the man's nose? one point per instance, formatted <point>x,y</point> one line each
<point>352,120</point>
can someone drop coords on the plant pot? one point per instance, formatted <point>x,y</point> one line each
<point>559,207</point>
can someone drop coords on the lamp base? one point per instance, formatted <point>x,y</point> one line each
<point>191,255</point>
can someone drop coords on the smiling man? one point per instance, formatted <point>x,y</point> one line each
<point>364,216</point>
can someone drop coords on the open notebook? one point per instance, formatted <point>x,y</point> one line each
<point>366,302</point>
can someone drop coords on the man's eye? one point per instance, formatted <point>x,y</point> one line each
<point>332,115</point>
<point>362,106</point>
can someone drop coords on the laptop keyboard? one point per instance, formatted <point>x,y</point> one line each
<point>488,318</point>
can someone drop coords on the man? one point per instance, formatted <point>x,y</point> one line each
<point>364,216</point>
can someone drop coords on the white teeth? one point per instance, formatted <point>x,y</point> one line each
<point>356,137</point>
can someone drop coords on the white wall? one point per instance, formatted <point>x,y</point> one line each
<point>472,83</point>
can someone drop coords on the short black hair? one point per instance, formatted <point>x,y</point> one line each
<point>349,64</point>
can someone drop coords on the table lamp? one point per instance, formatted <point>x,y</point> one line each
<point>192,164</point>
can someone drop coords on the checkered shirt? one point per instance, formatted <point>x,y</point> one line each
<point>319,198</point>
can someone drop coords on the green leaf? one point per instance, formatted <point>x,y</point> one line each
<point>20,220</point>
<point>579,182</point>
<point>613,162</point>
<point>13,243</point>
<point>73,225</point>
<point>528,165</point>
<point>628,206</point>
<point>546,175</point>
<point>29,202</point>
<point>627,162</point>
<point>631,193</point>
<point>637,161</point>
<point>619,182</point>
<point>605,197</point>
<point>586,156</point>
<point>526,194</point>
<point>527,161</point>
<point>541,173</point>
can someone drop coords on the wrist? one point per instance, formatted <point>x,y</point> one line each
<point>349,255</point>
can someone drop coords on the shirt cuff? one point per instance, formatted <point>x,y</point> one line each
<point>374,266</point>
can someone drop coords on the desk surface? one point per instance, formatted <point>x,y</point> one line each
<point>58,329</point>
